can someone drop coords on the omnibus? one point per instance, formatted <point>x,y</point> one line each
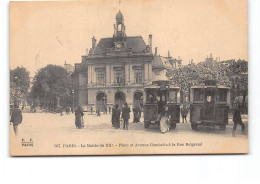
<point>159,98</point>
<point>209,105</point>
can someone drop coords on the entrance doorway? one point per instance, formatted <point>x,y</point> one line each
<point>120,99</point>
<point>138,99</point>
<point>101,101</point>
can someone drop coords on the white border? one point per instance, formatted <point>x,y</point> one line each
<point>136,169</point>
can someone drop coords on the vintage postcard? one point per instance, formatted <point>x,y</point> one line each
<point>128,77</point>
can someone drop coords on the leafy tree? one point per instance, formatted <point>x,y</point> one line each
<point>19,85</point>
<point>232,73</point>
<point>51,86</point>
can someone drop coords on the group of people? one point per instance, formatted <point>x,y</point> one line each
<point>125,116</point>
<point>16,117</point>
<point>98,111</point>
<point>116,114</point>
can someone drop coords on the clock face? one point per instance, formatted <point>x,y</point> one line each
<point>118,45</point>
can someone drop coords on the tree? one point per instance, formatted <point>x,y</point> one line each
<point>51,86</point>
<point>19,85</point>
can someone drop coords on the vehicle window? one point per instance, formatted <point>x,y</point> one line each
<point>151,97</point>
<point>172,96</point>
<point>198,95</point>
<point>222,95</point>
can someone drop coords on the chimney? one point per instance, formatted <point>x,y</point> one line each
<point>210,55</point>
<point>169,55</point>
<point>150,42</point>
<point>94,41</point>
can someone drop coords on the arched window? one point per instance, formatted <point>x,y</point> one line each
<point>119,27</point>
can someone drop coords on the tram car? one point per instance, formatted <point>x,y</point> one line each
<point>161,98</point>
<point>209,105</point>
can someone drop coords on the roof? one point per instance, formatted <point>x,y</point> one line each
<point>119,15</point>
<point>136,43</point>
<point>211,86</point>
<point>161,62</point>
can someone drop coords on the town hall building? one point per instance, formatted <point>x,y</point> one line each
<point>117,69</point>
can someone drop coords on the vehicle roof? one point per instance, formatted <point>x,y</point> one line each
<point>157,87</point>
<point>206,86</point>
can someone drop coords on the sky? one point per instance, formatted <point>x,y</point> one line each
<point>44,33</point>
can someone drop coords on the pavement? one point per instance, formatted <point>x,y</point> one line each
<point>49,129</point>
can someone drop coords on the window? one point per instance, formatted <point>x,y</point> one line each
<point>173,96</point>
<point>100,76</point>
<point>138,75</point>
<point>119,76</point>
<point>151,96</point>
<point>119,27</point>
<point>198,95</point>
<point>222,95</point>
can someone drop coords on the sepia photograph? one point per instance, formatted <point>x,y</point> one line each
<point>128,77</point>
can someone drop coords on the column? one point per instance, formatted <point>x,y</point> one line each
<point>150,72</point>
<point>131,74</point>
<point>93,74</point>
<point>146,73</point>
<point>107,74</point>
<point>89,75</point>
<point>112,74</point>
<point>126,73</point>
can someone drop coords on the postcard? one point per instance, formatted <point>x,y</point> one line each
<point>128,77</point>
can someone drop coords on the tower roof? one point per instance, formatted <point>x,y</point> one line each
<point>119,16</point>
<point>136,43</point>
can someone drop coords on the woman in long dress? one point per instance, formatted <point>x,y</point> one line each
<point>79,118</point>
<point>164,123</point>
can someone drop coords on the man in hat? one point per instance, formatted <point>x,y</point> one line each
<point>126,115</point>
<point>16,118</point>
<point>116,116</point>
<point>184,112</point>
<point>237,119</point>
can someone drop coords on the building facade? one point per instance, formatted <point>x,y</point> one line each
<point>117,69</point>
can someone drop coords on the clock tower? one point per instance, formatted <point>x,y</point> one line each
<point>119,32</point>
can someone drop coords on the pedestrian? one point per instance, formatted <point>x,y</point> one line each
<point>113,116</point>
<point>237,119</point>
<point>137,114</point>
<point>67,110</point>
<point>105,109</point>
<point>79,118</point>
<point>164,120</point>
<point>116,115</point>
<point>109,109</point>
<point>16,119</point>
<point>91,109</point>
<point>126,115</point>
<point>184,112</point>
<point>61,111</point>
<point>98,111</point>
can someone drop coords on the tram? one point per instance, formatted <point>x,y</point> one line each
<point>161,99</point>
<point>209,105</point>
